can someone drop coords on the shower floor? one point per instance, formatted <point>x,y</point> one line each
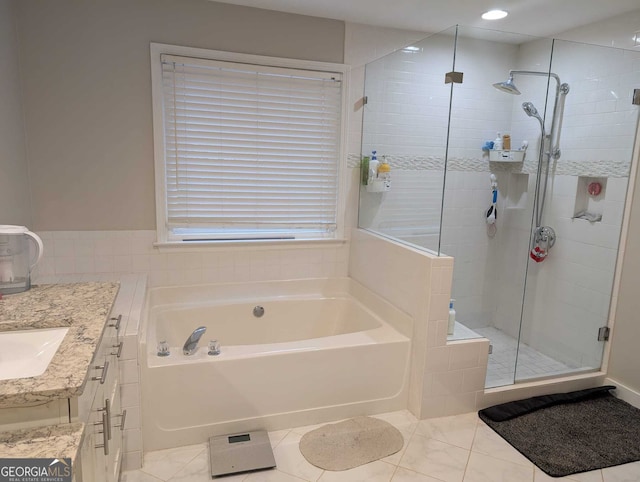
<point>531,363</point>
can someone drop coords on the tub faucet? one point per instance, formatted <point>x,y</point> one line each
<point>191,344</point>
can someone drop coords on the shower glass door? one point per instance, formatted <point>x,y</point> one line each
<point>568,293</point>
<point>490,240</point>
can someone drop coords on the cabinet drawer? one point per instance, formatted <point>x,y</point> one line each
<point>103,370</point>
<point>50,413</point>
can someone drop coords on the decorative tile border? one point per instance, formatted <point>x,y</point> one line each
<point>561,167</point>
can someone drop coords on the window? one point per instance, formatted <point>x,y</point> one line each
<point>247,148</point>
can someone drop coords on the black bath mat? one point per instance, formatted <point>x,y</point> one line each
<point>567,433</point>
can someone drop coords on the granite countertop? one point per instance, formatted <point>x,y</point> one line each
<point>52,441</point>
<point>83,307</point>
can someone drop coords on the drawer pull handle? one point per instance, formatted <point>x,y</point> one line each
<point>105,444</point>
<point>123,418</point>
<point>105,369</point>
<point>118,320</point>
<point>119,347</point>
<point>107,410</point>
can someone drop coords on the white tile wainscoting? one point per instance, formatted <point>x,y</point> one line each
<point>122,252</point>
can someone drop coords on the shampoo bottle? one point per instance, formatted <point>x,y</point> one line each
<point>373,167</point>
<point>452,318</point>
<point>497,144</point>
<point>506,142</point>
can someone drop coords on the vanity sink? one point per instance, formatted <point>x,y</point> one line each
<point>28,353</point>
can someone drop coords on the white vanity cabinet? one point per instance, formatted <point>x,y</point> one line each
<point>74,408</point>
<point>99,408</point>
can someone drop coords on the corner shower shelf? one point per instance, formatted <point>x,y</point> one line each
<point>506,156</point>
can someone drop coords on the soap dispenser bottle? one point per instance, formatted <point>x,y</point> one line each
<point>384,173</point>
<point>497,144</point>
<point>373,167</point>
<point>452,318</point>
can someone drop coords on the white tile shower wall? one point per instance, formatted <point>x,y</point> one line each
<point>411,208</point>
<point>599,119</point>
<point>364,44</point>
<point>465,236</point>
<point>515,210</point>
<point>408,102</point>
<point>573,287</point>
<point>478,111</point>
<point>121,252</point>
<point>445,379</point>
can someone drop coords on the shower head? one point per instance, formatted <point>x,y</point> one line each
<point>507,86</point>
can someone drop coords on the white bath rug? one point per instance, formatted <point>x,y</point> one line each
<point>348,444</point>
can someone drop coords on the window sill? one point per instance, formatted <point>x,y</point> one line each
<point>175,246</point>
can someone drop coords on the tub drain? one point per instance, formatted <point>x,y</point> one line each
<point>258,311</point>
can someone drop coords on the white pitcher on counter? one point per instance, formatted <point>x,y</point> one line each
<point>16,258</point>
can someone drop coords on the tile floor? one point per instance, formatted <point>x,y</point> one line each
<point>450,449</point>
<point>502,362</point>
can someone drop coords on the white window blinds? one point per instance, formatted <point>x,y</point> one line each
<point>250,151</point>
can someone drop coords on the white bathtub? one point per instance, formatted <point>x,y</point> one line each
<point>323,350</point>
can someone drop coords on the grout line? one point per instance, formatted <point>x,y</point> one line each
<point>394,473</point>
<point>475,431</point>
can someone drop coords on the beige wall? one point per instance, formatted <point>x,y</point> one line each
<point>14,187</point>
<point>87,94</point>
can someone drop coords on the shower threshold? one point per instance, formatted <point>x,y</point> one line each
<point>532,364</point>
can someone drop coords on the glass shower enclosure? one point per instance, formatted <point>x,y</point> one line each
<point>512,154</point>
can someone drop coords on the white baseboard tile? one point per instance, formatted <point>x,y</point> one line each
<point>625,393</point>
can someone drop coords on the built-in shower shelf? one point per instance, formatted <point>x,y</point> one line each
<point>506,156</point>
<point>590,199</point>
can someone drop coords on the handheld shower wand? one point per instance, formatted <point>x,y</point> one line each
<point>531,111</point>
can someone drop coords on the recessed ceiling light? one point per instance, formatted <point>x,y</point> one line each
<point>494,15</point>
